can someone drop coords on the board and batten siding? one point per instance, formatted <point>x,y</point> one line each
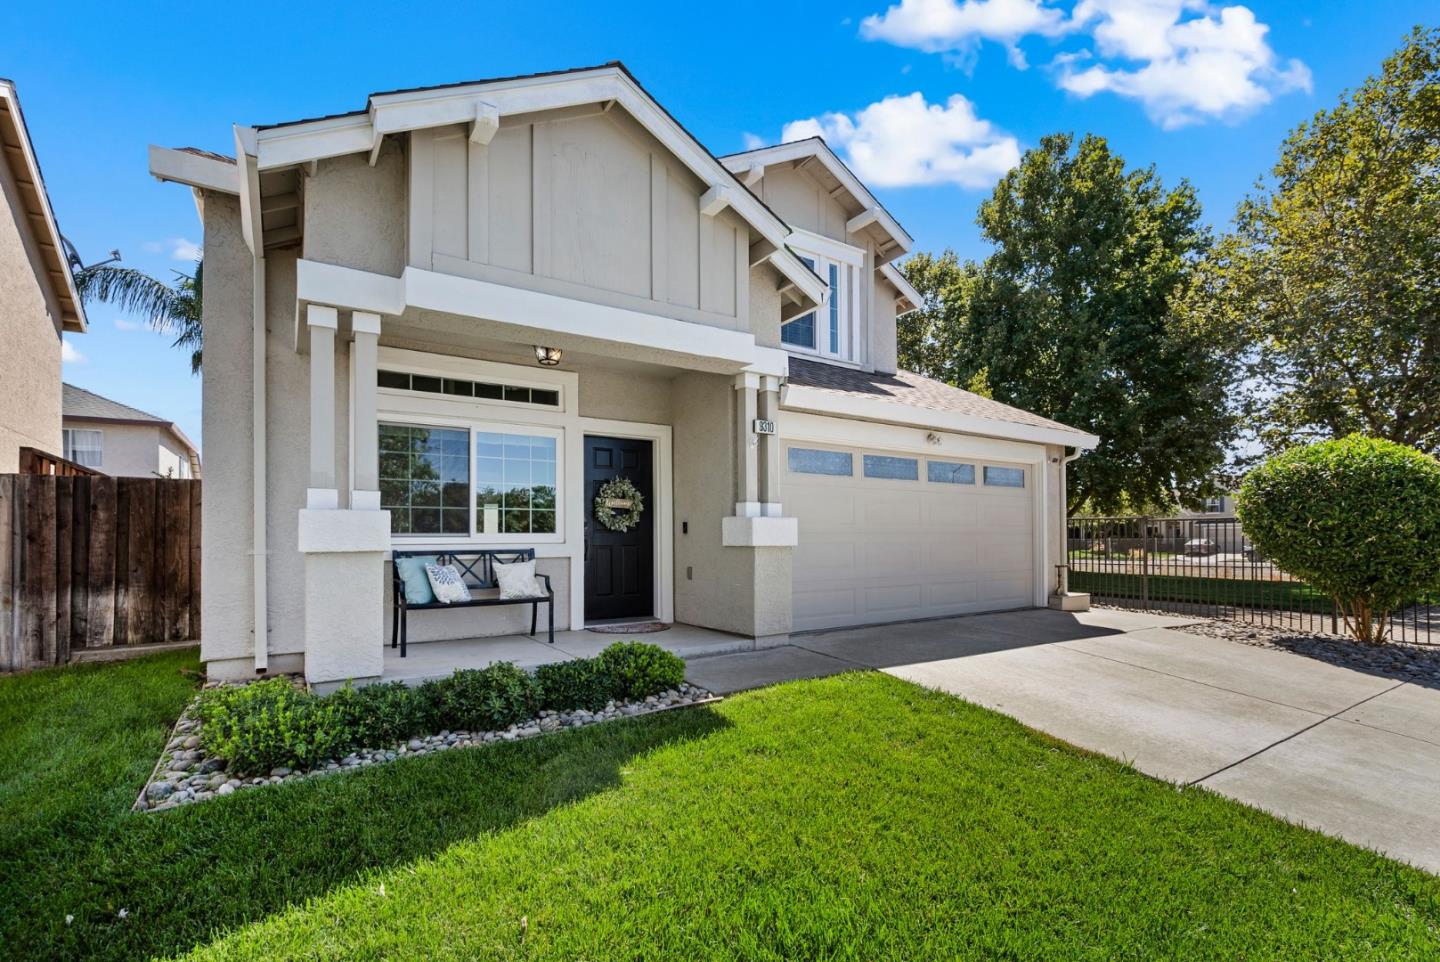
<point>589,207</point>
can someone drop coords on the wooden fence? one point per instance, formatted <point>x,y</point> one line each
<point>95,563</point>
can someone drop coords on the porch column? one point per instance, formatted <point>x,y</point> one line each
<point>747,448</point>
<point>322,493</point>
<point>364,426</point>
<point>769,403</point>
<point>344,550</point>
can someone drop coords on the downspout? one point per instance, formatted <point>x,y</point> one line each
<point>253,231</point>
<point>1064,585</point>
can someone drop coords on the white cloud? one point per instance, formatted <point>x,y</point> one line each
<point>752,141</point>
<point>1215,65</point>
<point>958,26</point>
<point>906,142</point>
<point>68,354</point>
<point>179,248</point>
<point>121,324</point>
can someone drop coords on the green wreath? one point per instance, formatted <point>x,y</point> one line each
<point>617,517</point>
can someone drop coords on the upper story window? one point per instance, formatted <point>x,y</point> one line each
<point>832,331</point>
<point>83,446</point>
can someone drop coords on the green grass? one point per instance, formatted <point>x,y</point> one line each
<point>1277,595</point>
<point>855,817</point>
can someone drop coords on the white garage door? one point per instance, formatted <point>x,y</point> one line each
<point>888,537</point>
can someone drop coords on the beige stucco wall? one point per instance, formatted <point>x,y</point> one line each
<point>30,359</point>
<point>355,213</point>
<point>126,450</point>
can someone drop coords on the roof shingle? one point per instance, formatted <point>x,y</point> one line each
<point>76,402</point>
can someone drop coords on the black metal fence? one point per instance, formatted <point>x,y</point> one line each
<point>1206,566</point>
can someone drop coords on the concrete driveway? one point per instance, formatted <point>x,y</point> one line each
<point>1348,753</point>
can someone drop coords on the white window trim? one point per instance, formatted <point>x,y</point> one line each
<point>849,262</point>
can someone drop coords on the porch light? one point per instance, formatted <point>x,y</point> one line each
<point>548,356</point>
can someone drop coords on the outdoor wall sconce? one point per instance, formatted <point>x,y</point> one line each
<point>548,356</point>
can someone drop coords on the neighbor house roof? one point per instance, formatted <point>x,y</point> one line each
<point>909,398</point>
<point>53,270</point>
<point>82,405</point>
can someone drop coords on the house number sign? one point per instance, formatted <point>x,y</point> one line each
<point>763,426</point>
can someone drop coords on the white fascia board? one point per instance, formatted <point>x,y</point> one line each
<point>789,264</point>
<point>907,290</point>
<point>193,170</point>
<point>769,360</point>
<point>353,289</point>
<point>813,243</point>
<point>816,401</point>
<point>248,178</point>
<point>317,140</point>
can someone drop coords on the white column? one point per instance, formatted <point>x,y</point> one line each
<point>747,452</point>
<point>364,424</point>
<point>769,404</point>
<point>322,493</point>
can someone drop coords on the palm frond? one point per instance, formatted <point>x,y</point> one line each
<point>162,306</point>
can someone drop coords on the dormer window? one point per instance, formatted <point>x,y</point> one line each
<point>831,331</point>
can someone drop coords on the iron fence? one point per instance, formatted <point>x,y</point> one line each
<point>1206,566</point>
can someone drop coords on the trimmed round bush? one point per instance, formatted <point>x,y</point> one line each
<point>488,698</point>
<point>638,670</point>
<point>269,724</point>
<point>380,714</point>
<point>567,685</point>
<point>1357,518</point>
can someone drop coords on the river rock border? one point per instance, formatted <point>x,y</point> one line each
<point>185,773</point>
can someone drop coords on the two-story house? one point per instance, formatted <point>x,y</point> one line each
<point>448,318</point>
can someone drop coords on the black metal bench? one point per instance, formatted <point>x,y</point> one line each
<point>477,568</point>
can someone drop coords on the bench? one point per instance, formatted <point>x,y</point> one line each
<point>477,568</point>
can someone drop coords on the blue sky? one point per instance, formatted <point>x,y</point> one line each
<point>1203,91</point>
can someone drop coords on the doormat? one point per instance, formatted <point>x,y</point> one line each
<point>634,628</point>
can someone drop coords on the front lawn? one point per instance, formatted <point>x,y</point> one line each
<point>855,817</point>
<point>1239,592</point>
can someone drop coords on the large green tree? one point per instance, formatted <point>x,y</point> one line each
<point>167,308</point>
<point>1072,317</point>
<point>1332,275</point>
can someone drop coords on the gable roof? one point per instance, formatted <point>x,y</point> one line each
<point>82,405</point>
<point>896,240</point>
<point>17,153</point>
<point>899,396</point>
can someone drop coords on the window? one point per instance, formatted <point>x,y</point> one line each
<point>838,464</point>
<point>514,484</point>
<point>827,331</point>
<point>891,469</point>
<point>83,447</point>
<point>425,479</point>
<point>1214,505</point>
<point>1004,477</point>
<point>485,390</point>
<point>950,472</point>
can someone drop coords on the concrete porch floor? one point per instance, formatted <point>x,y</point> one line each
<point>437,659</point>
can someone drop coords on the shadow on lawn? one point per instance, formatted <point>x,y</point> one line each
<point>188,875</point>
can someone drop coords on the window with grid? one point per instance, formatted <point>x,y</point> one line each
<point>425,479</point>
<point>514,483</point>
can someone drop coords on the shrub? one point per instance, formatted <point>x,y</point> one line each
<point>567,685</point>
<point>493,697</point>
<point>268,724</point>
<point>1357,518</point>
<point>637,670</point>
<point>380,714</point>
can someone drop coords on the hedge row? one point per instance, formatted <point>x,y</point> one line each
<point>267,724</point>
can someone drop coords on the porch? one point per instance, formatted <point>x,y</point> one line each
<point>437,659</point>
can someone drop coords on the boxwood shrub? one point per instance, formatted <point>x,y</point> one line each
<point>271,723</point>
<point>638,670</point>
<point>488,698</point>
<point>567,685</point>
<point>1357,518</point>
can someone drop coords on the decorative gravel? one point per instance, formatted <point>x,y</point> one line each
<point>1404,662</point>
<point>186,774</point>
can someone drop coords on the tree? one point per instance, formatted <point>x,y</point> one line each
<point>1332,276</point>
<point>1357,518</point>
<point>166,308</point>
<point>1072,317</point>
<point>929,339</point>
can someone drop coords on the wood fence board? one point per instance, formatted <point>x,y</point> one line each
<point>177,560</point>
<point>193,602</point>
<point>100,566</point>
<point>61,562</point>
<point>121,549</point>
<point>38,563</point>
<point>9,589</point>
<point>139,602</point>
<point>79,558</point>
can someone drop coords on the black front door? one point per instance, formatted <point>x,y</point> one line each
<point>619,566</point>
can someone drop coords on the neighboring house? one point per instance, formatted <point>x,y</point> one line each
<point>447,318</point>
<point>1214,521</point>
<point>119,440</point>
<point>38,300</point>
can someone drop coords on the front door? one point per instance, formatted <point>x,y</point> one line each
<point>619,565</point>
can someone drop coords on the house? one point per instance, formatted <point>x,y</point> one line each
<point>449,317</point>
<point>38,300</point>
<point>119,440</point>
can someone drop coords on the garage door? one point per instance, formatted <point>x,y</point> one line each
<point>886,536</point>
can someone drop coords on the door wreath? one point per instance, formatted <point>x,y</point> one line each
<point>618,505</point>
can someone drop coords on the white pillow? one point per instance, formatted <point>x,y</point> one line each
<point>447,584</point>
<point>518,580</point>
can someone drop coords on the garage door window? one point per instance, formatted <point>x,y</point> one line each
<point>839,464</point>
<point>891,469</point>
<point>950,472</point>
<point>1004,477</point>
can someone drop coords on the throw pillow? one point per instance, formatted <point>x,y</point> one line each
<point>447,584</point>
<point>417,583</point>
<point>518,580</point>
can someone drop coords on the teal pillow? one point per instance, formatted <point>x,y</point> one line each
<point>417,585</point>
